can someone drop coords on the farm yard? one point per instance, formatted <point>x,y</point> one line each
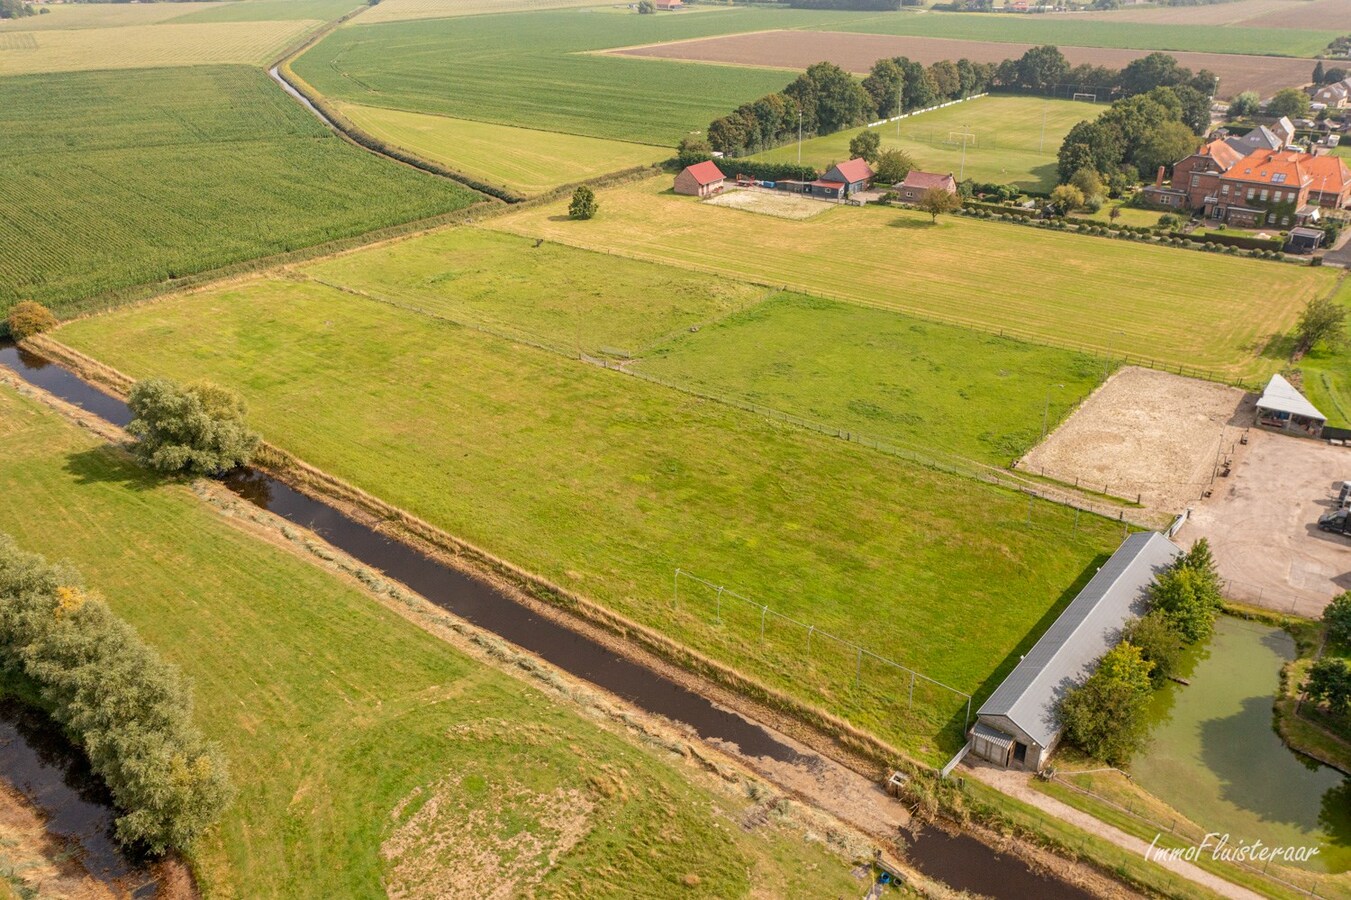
<point>126,178</point>
<point>605,483</point>
<point>769,203</point>
<point>856,52</point>
<point>517,159</point>
<point>1101,295</point>
<point>1005,140</point>
<point>267,639</point>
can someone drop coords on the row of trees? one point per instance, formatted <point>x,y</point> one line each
<point>1136,136</point>
<point>115,697</point>
<point>1105,716</point>
<point>15,9</point>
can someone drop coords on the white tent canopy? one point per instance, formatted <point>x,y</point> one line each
<point>1280,396</point>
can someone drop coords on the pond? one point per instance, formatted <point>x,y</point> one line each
<point>1216,758</point>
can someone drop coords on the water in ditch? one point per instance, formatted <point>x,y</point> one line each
<point>959,860</point>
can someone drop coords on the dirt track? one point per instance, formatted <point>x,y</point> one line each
<point>857,53</point>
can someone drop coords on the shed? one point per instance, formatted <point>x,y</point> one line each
<point>1304,240</point>
<point>1018,726</point>
<point>1283,408</point>
<point>917,183</point>
<point>856,174</point>
<point>700,180</point>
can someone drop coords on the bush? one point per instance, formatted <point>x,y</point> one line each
<point>115,697</point>
<point>583,205</point>
<point>1188,593</point>
<point>1330,682</point>
<point>1105,716</point>
<point>27,318</point>
<point>1160,645</point>
<point>194,430</point>
<point>1337,617</point>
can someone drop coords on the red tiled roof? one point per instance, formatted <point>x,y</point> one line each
<point>1329,173</point>
<point>1282,168</point>
<point>854,170</point>
<point>1221,152</point>
<point>925,180</point>
<point>706,172</point>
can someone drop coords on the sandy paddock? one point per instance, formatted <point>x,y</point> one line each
<point>856,52</point>
<point>771,203</point>
<point>1145,433</point>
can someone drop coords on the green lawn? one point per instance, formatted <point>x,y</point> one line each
<point>1071,290</point>
<point>1130,215</point>
<point>127,178</point>
<point>605,484</point>
<point>1327,373</point>
<point>349,729</point>
<point>1014,140</point>
<point>518,159</point>
<point>269,10</point>
<point>890,377</point>
<point>546,293</point>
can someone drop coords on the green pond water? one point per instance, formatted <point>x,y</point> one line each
<point>1216,758</point>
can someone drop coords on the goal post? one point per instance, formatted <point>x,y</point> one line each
<point>962,138</point>
<point>1087,96</point>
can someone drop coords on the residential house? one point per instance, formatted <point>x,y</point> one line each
<point>700,180</point>
<point>1198,176</point>
<point>1260,138</point>
<point>917,183</point>
<point>1267,187</point>
<point>856,175</point>
<point>1334,96</point>
<point>1330,186</point>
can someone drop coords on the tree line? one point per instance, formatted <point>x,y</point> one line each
<point>114,696</point>
<point>16,9</point>
<point>826,99</point>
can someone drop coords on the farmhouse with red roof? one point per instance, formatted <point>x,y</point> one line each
<point>917,184</point>
<point>855,175</point>
<point>700,180</point>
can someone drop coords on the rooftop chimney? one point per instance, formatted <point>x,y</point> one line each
<point>1158,179</point>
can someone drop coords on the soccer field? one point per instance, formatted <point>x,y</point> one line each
<point>1155,303</point>
<point>1009,140</point>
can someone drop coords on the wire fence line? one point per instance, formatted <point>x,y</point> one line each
<point>890,680</point>
<point>950,463</point>
<point>1189,831</point>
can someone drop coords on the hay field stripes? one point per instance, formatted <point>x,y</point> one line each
<point>400,10</point>
<point>151,46</point>
<point>1159,305</point>
<point>518,159</point>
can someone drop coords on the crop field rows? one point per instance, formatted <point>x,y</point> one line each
<point>135,178</point>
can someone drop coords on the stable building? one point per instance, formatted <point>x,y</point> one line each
<point>1018,727</point>
<point>700,180</point>
<point>1282,408</point>
<point>855,175</point>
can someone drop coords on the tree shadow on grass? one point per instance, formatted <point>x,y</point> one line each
<point>912,224</point>
<point>102,465</point>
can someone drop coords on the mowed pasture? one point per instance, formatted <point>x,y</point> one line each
<point>1010,140</point>
<point>1327,373</point>
<point>857,53</point>
<point>548,294</point>
<point>927,388</point>
<point>518,159</point>
<point>143,46</point>
<point>369,755</point>
<point>1071,290</point>
<point>128,178</point>
<point>605,483</point>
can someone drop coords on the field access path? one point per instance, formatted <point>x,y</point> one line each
<point>728,723</point>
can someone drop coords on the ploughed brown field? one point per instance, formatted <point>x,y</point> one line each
<point>857,53</point>
<point>1313,14</point>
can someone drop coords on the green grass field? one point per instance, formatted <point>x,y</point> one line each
<point>605,484</point>
<point>126,178</point>
<point>350,730</point>
<point>1327,373</point>
<point>271,10</point>
<point>896,379</point>
<point>1072,290</point>
<point>1012,140</point>
<point>549,294</point>
<point>518,159</point>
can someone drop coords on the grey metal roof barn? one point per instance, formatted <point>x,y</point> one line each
<point>1281,396</point>
<point>1023,706</point>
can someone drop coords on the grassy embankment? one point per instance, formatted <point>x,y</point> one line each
<point>127,178</point>
<point>605,484</point>
<point>1009,144</point>
<point>368,753</point>
<point>1154,303</point>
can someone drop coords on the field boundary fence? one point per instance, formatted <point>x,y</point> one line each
<point>1187,831</point>
<point>951,464</point>
<point>865,663</point>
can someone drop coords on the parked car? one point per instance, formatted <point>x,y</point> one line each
<point>1338,521</point>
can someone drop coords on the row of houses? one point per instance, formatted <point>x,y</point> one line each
<point>841,181</point>
<point>1256,181</point>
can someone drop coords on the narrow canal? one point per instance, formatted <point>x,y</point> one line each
<point>961,861</point>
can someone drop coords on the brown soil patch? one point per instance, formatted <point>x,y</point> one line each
<point>857,53</point>
<point>455,846</point>
<point>1145,433</point>
<point>770,203</point>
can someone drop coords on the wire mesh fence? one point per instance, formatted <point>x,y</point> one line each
<point>832,667</point>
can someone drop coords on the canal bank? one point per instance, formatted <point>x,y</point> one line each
<point>971,864</point>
